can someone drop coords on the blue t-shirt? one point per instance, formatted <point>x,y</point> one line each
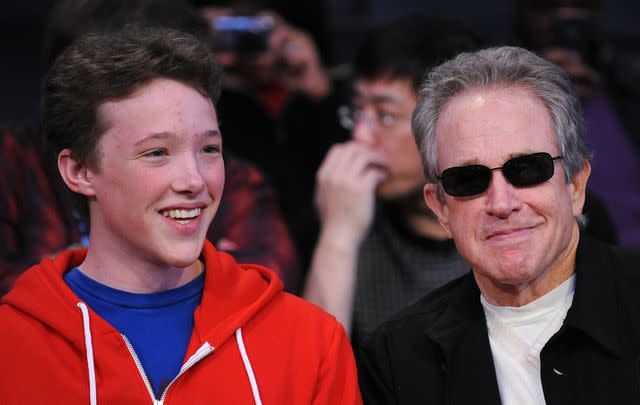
<point>158,325</point>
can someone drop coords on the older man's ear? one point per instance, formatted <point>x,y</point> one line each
<point>430,193</point>
<point>578,187</point>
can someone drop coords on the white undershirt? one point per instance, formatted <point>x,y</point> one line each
<point>517,335</point>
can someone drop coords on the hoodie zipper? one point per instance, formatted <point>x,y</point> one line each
<point>204,350</point>
<point>140,369</point>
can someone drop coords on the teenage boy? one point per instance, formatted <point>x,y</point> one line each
<point>151,312</point>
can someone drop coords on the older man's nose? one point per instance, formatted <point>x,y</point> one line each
<point>501,198</point>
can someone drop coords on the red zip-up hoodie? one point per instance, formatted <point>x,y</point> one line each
<point>251,343</point>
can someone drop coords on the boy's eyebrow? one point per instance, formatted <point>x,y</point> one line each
<point>166,135</point>
<point>213,133</point>
<point>154,136</point>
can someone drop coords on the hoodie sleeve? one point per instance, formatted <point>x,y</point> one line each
<point>338,378</point>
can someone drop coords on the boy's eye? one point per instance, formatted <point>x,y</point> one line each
<point>211,149</point>
<point>156,153</point>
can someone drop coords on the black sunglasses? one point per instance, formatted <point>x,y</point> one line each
<point>521,171</point>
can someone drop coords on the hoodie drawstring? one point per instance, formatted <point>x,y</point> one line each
<point>89,345</point>
<point>92,372</point>
<point>247,366</point>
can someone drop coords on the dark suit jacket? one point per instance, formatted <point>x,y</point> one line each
<point>437,351</point>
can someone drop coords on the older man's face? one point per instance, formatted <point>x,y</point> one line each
<point>512,237</point>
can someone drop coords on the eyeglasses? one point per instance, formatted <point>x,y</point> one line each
<point>520,171</point>
<point>349,116</point>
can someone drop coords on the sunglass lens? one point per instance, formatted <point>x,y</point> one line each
<point>465,181</point>
<point>529,170</point>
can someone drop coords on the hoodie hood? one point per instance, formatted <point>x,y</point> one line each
<point>56,347</point>
<point>230,298</point>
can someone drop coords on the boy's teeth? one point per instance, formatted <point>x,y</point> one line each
<point>187,214</point>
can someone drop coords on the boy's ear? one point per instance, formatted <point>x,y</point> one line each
<point>76,175</point>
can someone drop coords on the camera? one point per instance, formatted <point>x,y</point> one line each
<point>242,34</point>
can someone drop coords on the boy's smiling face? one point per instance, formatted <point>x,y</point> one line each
<point>160,176</point>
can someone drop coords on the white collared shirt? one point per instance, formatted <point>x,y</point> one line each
<point>517,336</point>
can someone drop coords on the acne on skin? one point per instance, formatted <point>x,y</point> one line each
<point>157,190</point>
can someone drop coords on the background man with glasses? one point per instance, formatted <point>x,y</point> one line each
<point>380,247</point>
<point>547,314</point>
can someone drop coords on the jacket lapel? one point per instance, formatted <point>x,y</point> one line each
<point>461,333</point>
<point>595,304</point>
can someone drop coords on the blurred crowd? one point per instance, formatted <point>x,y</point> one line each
<point>323,177</point>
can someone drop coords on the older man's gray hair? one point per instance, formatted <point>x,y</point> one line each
<point>499,68</point>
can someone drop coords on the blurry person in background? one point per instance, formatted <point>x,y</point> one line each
<point>36,218</point>
<point>567,32</point>
<point>261,52</point>
<point>278,100</point>
<point>380,247</point>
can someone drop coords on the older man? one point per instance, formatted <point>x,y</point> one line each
<point>547,315</point>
